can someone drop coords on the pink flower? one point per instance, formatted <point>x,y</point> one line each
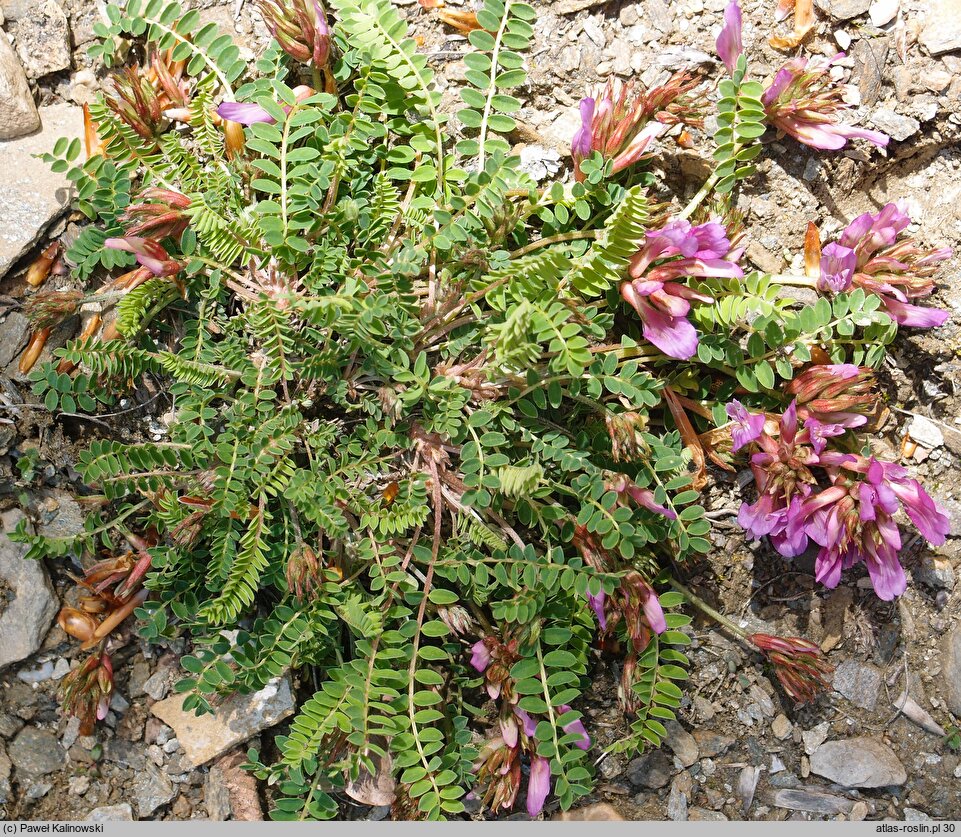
<point>247,113</point>
<point>621,120</point>
<point>729,46</point>
<point>149,253</point>
<point>538,785</point>
<point>803,101</point>
<point>868,255</point>
<point>597,605</point>
<point>837,268</point>
<point>745,426</point>
<point>480,656</point>
<point>653,611</point>
<point>576,728</point>
<point>676,251</point>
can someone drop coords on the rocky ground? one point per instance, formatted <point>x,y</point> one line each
<point>875,748</point>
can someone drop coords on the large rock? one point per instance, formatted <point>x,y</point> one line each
<point>859,682</point>
<point>151,790</point>
<point>18,113</point>
<point>32,196</point>
<point>27,601</point>
<point>36,752</point>
<point>111,813</point>
<point>238,718</point>
<point>652,770</point>
<point>942,27</point>
<point>951,666</point>
<point>861,762</point>
<point>41,34</point>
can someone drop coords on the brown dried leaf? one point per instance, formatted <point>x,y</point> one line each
<point>812,251</point>
<point>379,789</point>
<point>803,24</point>
<point>463,22</point>
<point>689,437</point>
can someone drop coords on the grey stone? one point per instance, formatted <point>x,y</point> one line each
<point>217,795</point>
<point>925,432</point>
<point>111,813</point>
<point>869,55</point>
<point>712,743</point>
<point>843,9</point>
<point>781,727</point>
<point>158,684</point>
<point>895,125</point>
<point>59,515</point>
<point>951,668</point>
<point>936,572</point>
<point>125,753</point>
<point>816,802</point>
<point>18,113</point>
<point>942,26</point>
<point>914,815</point>
<point>697,814</point>
<point>682,743</point>
<point>859,682</point>
<point>31,196</point>
<point>151,790</point>
<point>37,790</point>
<point>27,601</point>
<point>238,718</point>
<point>6,768</point>
<point>814,738</point>
<point>861,762</point>
<point>746,785</point>
<point>42,39</point>
<point>36,752</point>
<point>652,770</point>
<point>677,802</point>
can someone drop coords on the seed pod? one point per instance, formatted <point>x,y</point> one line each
<point>30,355</point>
<point>67,366</point>
<point>908,447</point>
<point>77,624</point>
<point>40,269</point>
<point>234,135</point>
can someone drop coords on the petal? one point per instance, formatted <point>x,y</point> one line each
<point>906,314</point>
<point>538,785</point>
<point>729,46</point>
<point>246,113</point>
<point>674,336</point>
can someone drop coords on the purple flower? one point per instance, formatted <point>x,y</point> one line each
<point>149,253</point>
<point>508,726</point>
<point>246,113</point>
<point>729,46</point>
<point>895,271</point>
<point>675,251</point>
<point>581,144</point>
<point>538,785</point>
<point>819,433</point>
<point>745,426</point>
<point>576,727</point>
<point>527,722</point>
<point>932,522</point>
<point>837,268</point>
<point>597,605</point>
<point>803,101</point>
<point>480,656</point>
<point>653,612</point>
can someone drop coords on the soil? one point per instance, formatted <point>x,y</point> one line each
<point>744,725</point>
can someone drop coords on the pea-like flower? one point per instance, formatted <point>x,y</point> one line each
<point>149,253</point>
<point>622,119</point>
<point>835,394</point>
<point>804,101</point>
<point>248,113</point>
<point>868,255</point>
<point>300,27</point>
<point>676,251</point>
<point>161,215</point>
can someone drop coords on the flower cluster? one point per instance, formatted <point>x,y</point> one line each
<point>676,251</point>
<point>847,509</point>
<point>86,691</point>
<point>300,27</point>
<point>499,764</point>
<point>868,255</point>
<point>622,119</point>
<point>149,253</point>
<point>803,100</point>
<point>798,664</point>
<point>161,214</point>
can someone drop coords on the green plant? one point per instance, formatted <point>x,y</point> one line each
<point>420,446</point>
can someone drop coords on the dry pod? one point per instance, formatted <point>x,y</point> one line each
<point>30,355</point>
<point>67,366</point>
<point>40,269</point>
<point>77,623</point>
